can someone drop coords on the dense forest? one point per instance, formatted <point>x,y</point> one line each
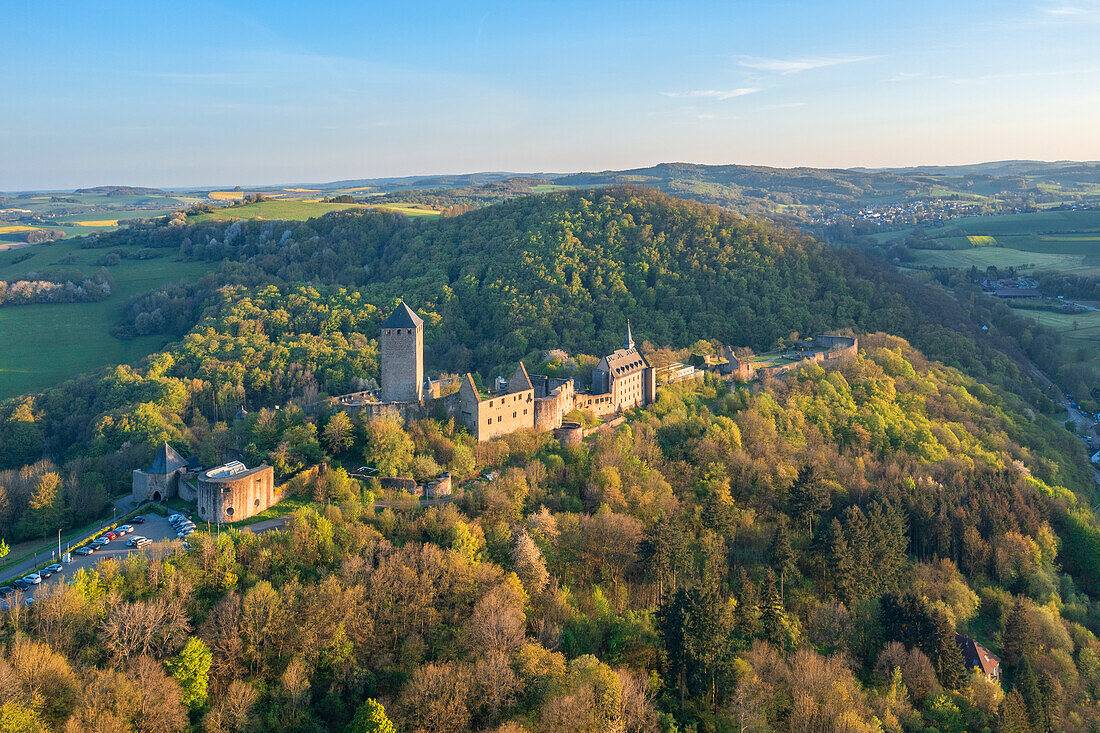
<point>793,555</point>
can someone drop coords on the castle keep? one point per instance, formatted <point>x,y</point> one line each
<point>402,347</point>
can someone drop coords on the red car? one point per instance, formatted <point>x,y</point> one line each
<point>113,535</point>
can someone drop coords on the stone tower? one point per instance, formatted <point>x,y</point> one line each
<point>402,356</point>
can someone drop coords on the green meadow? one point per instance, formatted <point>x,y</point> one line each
<point>1066,241</point>
<point>46,344</point>
<point>301,209</point>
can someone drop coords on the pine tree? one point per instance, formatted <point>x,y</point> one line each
<point>1018,635</point>
<point>747,613</point>
<point>946,656</point>
<point>1013,714</point>
<point>809,496</point>
<point>783,555</point>
<point>773,617</point>
<point>840,559</point>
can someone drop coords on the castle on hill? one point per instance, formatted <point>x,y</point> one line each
<point>622,380</point>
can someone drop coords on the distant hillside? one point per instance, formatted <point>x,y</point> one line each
<point>122,191</point>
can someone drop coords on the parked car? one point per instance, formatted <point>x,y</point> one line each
<point>33,578</point>
<point>6,591</point>
<point>55,568</point>
<point>139,519</point>
<point>28,601</point>
<point>85,550</point>
<point>126,529</point>
<point>4,605</point>
<point>175,518</point>
<point>113,535</point>
<point>101,541</point>
<point>45,573</point>
<point>21,584</point>
<point>143,541</point>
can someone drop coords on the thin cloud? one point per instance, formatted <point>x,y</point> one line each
<point>903,76</point>
<point>794,66</point>
<point>718,94</point>
<point>1072,12</point>
<point>784,105</point>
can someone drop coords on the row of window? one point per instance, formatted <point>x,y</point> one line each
<point>397,331</point>
<point>501,417</point>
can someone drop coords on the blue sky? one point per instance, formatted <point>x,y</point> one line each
<point>214,93</point>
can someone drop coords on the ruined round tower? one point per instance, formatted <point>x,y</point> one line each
<point>402,355</point>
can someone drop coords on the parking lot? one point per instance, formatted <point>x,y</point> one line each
<point>155,528</point>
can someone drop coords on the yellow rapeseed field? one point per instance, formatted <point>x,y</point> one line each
<point>226,195</point>
<point>97,223</point>
<point>9,228</point>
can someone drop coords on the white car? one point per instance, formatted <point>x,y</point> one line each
<point>33,578</point>
<point>125,529</point>
<point>55,568</point>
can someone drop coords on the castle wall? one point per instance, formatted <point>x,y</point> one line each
<point>507,413</point>
<point>154,486</point>
<point>235,497</point>
<point>570,433</point>
<point>401,354</point>
<point>557,398</point>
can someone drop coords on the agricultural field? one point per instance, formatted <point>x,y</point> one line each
<point>1066,241</point>
<point>46,344</point>
<point>300,210</point>
<point>1003,257</point>
<point>78,213</point>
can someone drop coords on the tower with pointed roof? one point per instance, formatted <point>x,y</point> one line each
<point>629,343</point>
<point>401,344</point>
<point>161,480</point>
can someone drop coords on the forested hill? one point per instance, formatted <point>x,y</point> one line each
<point>793,555</point>
<point>565,270</point>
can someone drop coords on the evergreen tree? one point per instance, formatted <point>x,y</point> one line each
<point>810,495</point>
<point>840,560</point>
<point>1018,636</point>
<point>1013,714</point>
<point>773,616</point>
<point>666,555</point>
<point>747,613</point>
<point>946,656</point>
<point>783,555</point>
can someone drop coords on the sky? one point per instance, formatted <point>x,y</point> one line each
<point>205,93</point>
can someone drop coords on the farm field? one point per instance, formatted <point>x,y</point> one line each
<point>1066,241</point>
<point>300,210</point>
<point>46,344</point>
<point>1004,257</point>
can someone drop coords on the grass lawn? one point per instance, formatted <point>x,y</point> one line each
<point>47,344</point>
<point>282,509</point>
